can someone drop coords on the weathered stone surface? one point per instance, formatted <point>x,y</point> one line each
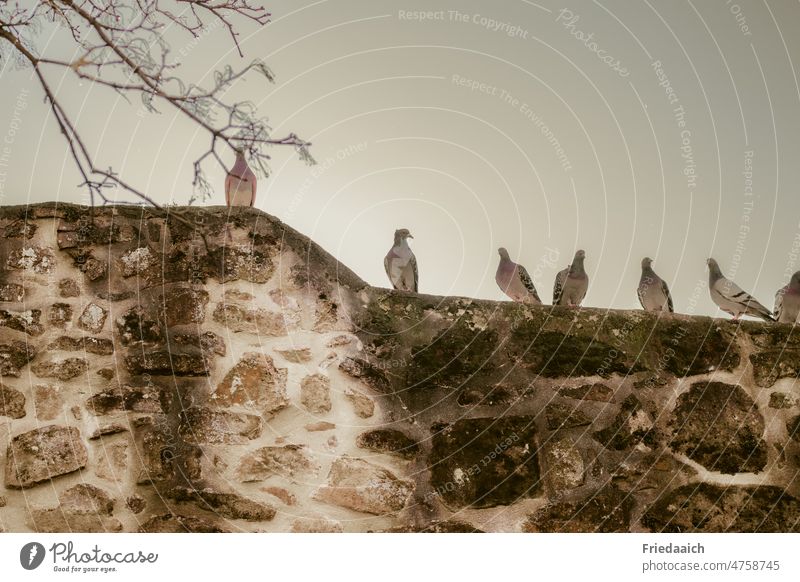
<point>596,392</point>
<point>163,363</point>
<point>250,320</point>
<point>237,295</point>
<point>287,497</point>
<point>207,341</point>
<point>67,240</point>
<point>26,321</point>
<point>107,430</point>
<point>42,454</point>
<point>138,261</point>
<point>565,467</point>
<point>781,400</point>
<point>137,326</point>
<point>60,314</point>
<point>106,373</point>
<point>560,415</point>
<point>206,425</point>
<point>62,369</point>
<point>485,462</point>
<point>485,396</point>
<point>112,461</point>
<point>93,345</point>
<point>12,402</point>
<point>418,361</point>
<point>777,353</point>
<point>147,399</point>
<point>449,526</point>
<point>254,382</point>
<point>633,425</point>
<point>706,508</point>
<point>33,259</point>
<point>388,440</point>
<point>135,503</point>
<point>363,405</point>
<point>114,297</point>
<point>246,263</point>
<point>156,452</point>
<point>607,511</point>
<point>14,355</point>
<point>315,393</point>
<point>230,505</point>
<point>3,501</point>
<point>365,371</point>
<point>793,428</point>
<point>320,426</point>
<point>86,498</point>
<point>68,288</point>
<point>640,470</point>
<point>288,461</point>
<point>185,306</point>
<point>92,267</point>
<point>82,508</point>
<point>362,486</point>
<point>48,401</point>
<point>719,426</point>
<point>93,318</point>
<point>315,525</point>
<point>170,523</point>
<point>20,228</point>
<point>295,355</point>
<point>11,292</point>
<point>341,340</point>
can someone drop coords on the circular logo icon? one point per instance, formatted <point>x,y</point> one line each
<point>31,555</point>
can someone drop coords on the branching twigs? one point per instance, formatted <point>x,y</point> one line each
<point>120,45</point>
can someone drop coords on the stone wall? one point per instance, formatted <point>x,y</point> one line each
<point>152,379</point>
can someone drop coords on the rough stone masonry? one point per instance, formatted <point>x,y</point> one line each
<point>156,380</point>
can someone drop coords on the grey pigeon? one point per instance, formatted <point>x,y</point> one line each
<point>401,264</point>
<point>571,283</point>
<point>653,290</point>
<point>240,183</point>
<point>730,298</point>
<point>787,301</point>
<point>514,280</point>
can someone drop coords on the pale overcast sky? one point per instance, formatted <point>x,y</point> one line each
<point>667,129</point>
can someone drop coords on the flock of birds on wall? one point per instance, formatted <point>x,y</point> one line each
<point>571,283</point>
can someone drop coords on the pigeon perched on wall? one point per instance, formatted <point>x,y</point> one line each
<point>514,280</point>
<point>653,290</point>
<point>240,183</point>
<point>571,283</point>
<point>730,298</point>
<point>401,264</point>
<point>787,301</point>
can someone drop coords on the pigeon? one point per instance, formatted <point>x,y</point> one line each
<point>787,301</point>
<point>571,283</point>
<point>240,184</point>
<point>653,291</point>
<point>514,280</point>
<point>730,298</point>
<point>401,264</point>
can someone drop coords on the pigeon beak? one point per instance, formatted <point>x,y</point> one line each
<point>410,235</point>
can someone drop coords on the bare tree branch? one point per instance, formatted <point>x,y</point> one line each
<point>120,45</point>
